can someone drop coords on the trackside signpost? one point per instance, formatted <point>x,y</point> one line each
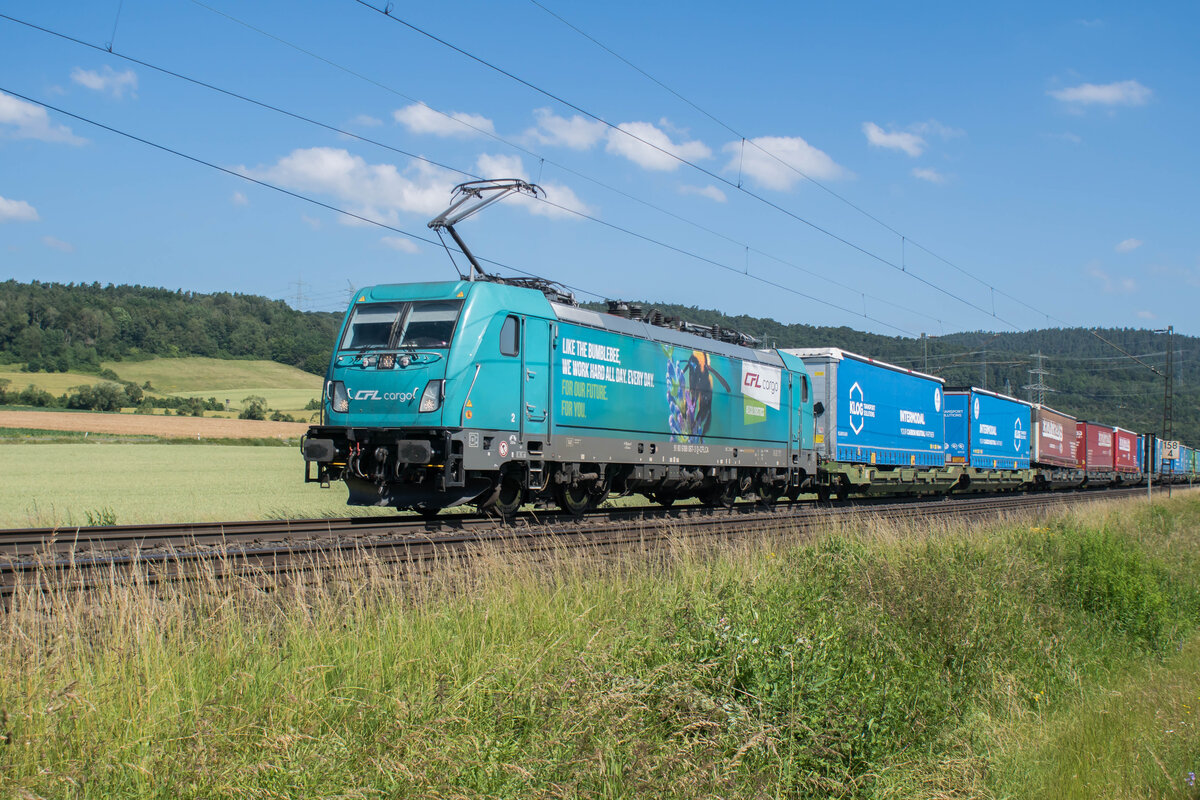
<point>1170,452</point>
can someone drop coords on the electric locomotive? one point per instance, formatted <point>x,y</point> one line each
<point>501,391</point>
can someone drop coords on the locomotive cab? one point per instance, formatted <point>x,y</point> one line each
<point>415,366</point>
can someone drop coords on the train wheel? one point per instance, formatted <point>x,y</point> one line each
<point>768,494</point>
<point>664,499</point>
<point>506,498</point>
<point>426,510</point>
<point>576,499</point>
<point>722,494</point>
<point>822,494</point>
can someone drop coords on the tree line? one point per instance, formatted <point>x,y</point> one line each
<point>60,327</point>
<point>57,327</point>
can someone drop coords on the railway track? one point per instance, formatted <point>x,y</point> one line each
<point>83,557</point>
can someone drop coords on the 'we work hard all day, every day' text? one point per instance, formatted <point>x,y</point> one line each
<point>593,362</point>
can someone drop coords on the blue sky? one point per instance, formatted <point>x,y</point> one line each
<point>1043,152</point>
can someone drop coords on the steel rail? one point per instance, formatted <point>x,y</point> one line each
<point>94,556</point>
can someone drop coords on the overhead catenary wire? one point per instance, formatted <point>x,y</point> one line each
<point>904,239</point>
<point>386,13</point>
<point>735,270</point>
<point>383,145</point>
<point>543,160</point>
<point>305,198</point>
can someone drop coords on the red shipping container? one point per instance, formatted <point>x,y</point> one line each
<point>1125,457</point>
<point>1053,438</point>
<point>1098,447</point>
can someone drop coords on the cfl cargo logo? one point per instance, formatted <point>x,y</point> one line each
<point>860,410</point>
<point>762,383</point>
<point>371,394</point>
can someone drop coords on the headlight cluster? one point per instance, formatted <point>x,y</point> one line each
<point>431,398</point>
<point>338,397</point>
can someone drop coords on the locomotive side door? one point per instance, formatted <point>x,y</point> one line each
<point>536,362</point>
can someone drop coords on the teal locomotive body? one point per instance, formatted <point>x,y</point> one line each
<point>483,392</point>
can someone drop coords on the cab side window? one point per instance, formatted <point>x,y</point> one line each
<point>510,337</point>
<point>803,388</point>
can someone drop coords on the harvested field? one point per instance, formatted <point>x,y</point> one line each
<point>152,425</point>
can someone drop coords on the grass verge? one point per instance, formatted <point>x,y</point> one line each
<point>58,484</point>
<point>874,661</point>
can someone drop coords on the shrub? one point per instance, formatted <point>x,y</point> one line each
<point>253,407</point>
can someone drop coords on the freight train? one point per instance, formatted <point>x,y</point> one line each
<point>501,391</point>
<point>498,393</point>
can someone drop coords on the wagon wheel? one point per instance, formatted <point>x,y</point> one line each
<point>505,500</point>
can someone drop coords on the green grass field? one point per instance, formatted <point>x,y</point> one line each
<point>56,383</point>
<point>60,484</point>
<point>1038,658</point>
<point>285,388</point>
<point>196,375</point>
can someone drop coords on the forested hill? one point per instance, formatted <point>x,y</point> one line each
<point>1091,379</point>
<point>49,326</point>
<point>56,327</point>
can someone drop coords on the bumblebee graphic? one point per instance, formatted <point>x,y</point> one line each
<point>690,395</point>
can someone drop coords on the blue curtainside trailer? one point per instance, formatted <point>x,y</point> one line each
<point>873,412</point>
<point>986,430</point>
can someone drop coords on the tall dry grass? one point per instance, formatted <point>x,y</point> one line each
<point>872,660</point>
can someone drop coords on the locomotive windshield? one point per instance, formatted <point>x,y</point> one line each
<point>425,323</point>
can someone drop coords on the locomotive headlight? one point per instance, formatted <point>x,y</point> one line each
<point>431,398</point>
<point>338,397</point>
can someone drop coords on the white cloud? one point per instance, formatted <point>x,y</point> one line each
<point>239,199</point>
<point>366,121</point>
<point>107,80</point>
<point>1110,285</point>
<point>380,192</point>
<point>1129,245</point>
<point>910,143</point>
<point>710,191</point>
<point>498,167</point>
<point>58,244</point>
<point>401,244</point>
<point>420,118</point>
<point>650,147</point>
<point>765,167</point>
<point>311,222</point>
<point>31,121</point>
<point>560,200</point>
<point>928,174</point>
<point>1143,314</point>
<point>577,133</point>
<point>1121,93</point>
<point>17,211</point>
